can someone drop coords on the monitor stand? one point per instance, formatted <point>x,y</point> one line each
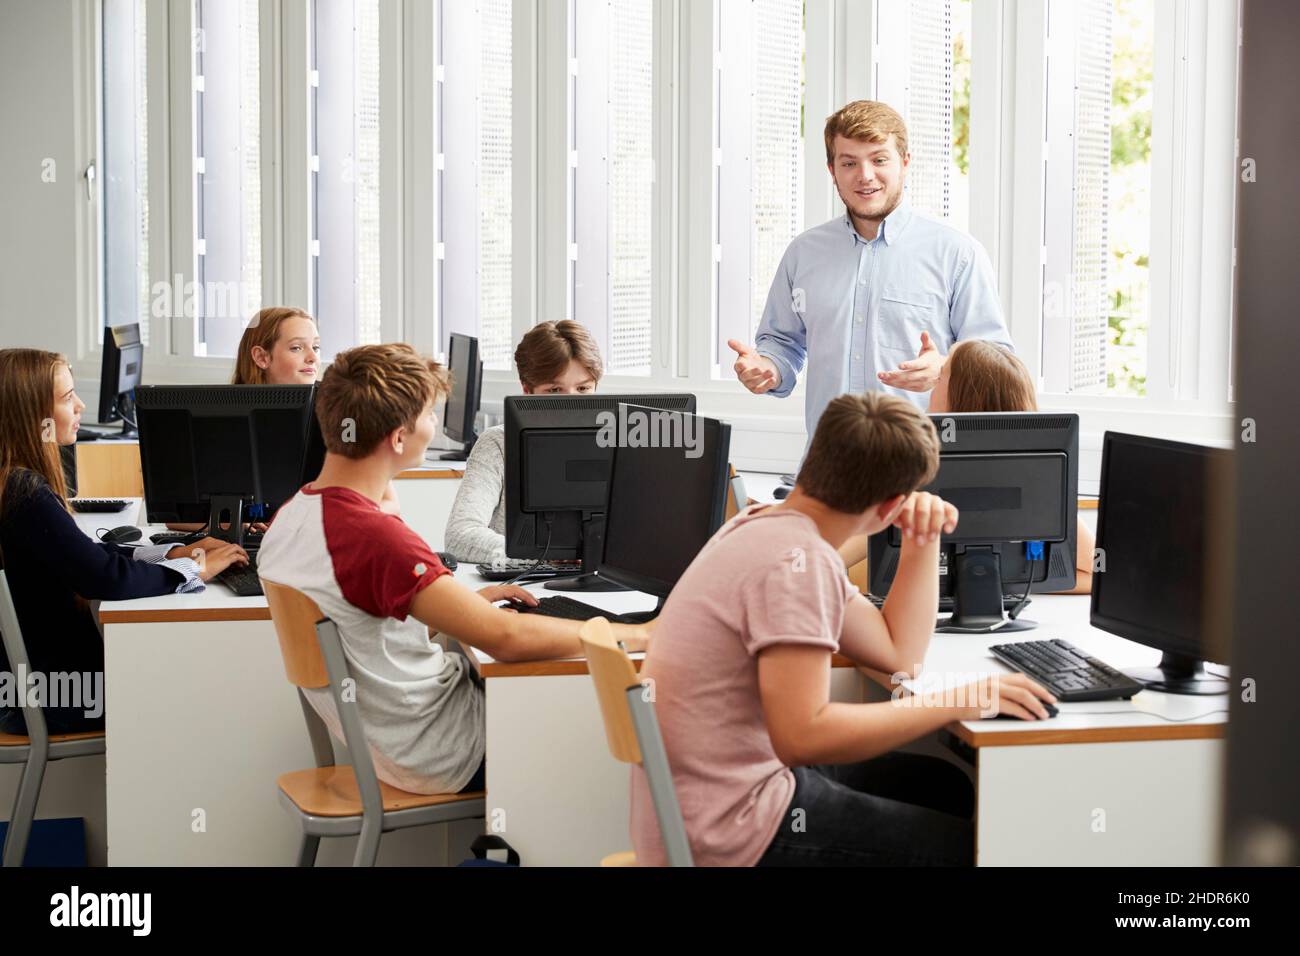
<point>126,409</point>
<point>223,509</point>
<point>593,549</point>
<point>460,454</point>
<point>1178,674</point>
<point>977,596</point>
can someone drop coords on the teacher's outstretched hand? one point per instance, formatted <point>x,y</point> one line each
<point>756,372</point>
<point>920,373</point>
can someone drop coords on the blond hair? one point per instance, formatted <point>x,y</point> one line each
<point>370,390</point>
<point>26,414</point>
<point>867,120</point>
<point>868,448</point>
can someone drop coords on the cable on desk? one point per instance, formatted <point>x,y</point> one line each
<point>540,561</point>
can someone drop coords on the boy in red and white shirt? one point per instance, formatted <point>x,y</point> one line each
<point>421,706</point>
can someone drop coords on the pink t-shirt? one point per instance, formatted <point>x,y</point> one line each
<point>767,577</point>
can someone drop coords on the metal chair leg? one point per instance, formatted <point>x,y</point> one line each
<point>367,844</point>
<point>20,822</point>
<point>307,850</point>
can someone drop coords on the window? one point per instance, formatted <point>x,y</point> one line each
<point>1129,211</point>
<point>959,162</point>
<point>611,174</point>
<point>758,156</point>
<point>1097,232</point>
<point>474,187</point>
<point>126,166</point>
<point>227,169</point>
<point>914,74</point>
<point>345,266</point>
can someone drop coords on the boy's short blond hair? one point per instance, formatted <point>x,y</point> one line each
<point>369,391</point>
<point>868,448</point>
<point>867,120</point>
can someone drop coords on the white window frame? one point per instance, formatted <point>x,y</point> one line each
<point>1187,364</point>
<point>283,36</point>
<point>1188,360</point>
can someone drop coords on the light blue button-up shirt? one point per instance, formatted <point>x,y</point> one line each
<point>852,307</point>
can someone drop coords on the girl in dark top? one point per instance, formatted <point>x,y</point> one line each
<point>52,567</point>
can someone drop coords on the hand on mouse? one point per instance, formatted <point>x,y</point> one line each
<point>1011,695</point>
<point>507,592</point>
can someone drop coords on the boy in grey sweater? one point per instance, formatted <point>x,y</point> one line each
<point>554,358</point>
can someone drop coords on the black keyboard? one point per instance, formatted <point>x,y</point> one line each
<point>189,537</point>
<point>97,505</point>
<point>510,569</point>
<point>945,602</point>
<point>175,537</point>
<point>564,607</point>
<point>242,580</point>
<point>1067,672</point>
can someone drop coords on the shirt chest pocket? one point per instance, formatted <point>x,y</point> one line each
<point>902,317</point>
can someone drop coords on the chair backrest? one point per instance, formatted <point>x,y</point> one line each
<point>16,650</point>
<point>736,497</point>
<point>613,673</point>
<point>295,616</point>
<point>633,731</point>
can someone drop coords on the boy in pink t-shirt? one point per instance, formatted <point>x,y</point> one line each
<point>741,662</point>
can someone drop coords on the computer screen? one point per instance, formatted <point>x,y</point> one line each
<point>466,387</point>
<point>119,376</point>
<point>258,443</point>
<point>559,450</point>
<point>1013,477</point>
<point>1154,539</point>
<point>664,505</point>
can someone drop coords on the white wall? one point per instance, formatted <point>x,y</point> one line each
<point>39,75</point>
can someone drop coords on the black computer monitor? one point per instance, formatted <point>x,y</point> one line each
<point>1154,539</point>
<point>558,460</point>
<point>466,389</point>
<point>1014,478</point>
<point>226,454</point>
<point>119,376</point>
<point>664,505</point>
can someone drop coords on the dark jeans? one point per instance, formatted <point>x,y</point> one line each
<point>897,810</point>
<point>479,780</point>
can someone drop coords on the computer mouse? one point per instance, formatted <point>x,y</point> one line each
<point>1051,709</point>
<point>123,535</point>
<point>781,492</point>
<point>448,560</point>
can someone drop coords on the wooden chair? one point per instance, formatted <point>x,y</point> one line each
<point>633,734</point>
<point>331,801</point>
<point>37,749</point>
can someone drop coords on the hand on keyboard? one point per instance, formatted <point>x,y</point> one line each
<point>213,556</point>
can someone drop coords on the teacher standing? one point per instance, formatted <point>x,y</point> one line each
<point>876,298</point>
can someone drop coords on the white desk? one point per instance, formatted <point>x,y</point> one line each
<point>1106,783</point>
<point>201,717</point>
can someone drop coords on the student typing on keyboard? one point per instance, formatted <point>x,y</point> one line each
<point>52,567</point>
<point>421,706</point>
